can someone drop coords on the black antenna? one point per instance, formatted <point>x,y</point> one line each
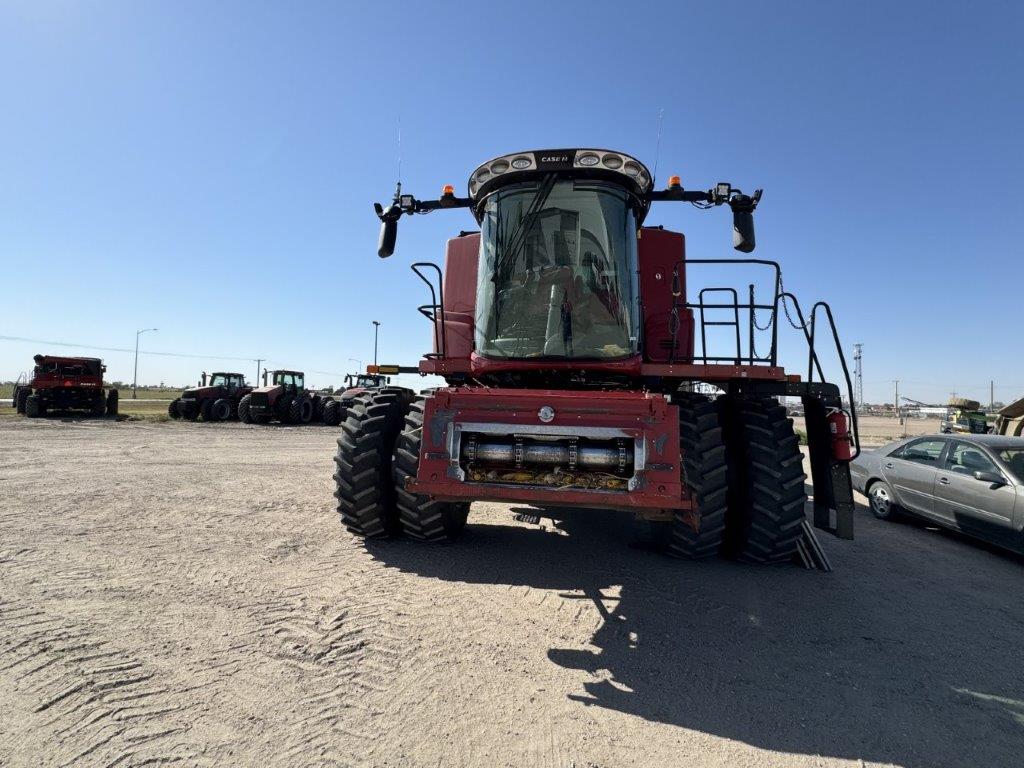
<point>399,153</point>
<point>657,150</point>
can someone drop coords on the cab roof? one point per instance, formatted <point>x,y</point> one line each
<point>62,359</point>
<point>586,163</point>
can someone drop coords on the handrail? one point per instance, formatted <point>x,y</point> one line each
<point>842,361</point>
<point>430,311</point>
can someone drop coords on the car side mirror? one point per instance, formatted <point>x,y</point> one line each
<point>990,477</point>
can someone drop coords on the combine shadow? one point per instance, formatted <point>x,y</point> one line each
<point>908,653</point>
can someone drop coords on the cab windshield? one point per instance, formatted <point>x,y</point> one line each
<point>558,272</point>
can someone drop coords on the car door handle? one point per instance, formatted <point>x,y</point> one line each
<point>944,480</point>
<point>889,465</point>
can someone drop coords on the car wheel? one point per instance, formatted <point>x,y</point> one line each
<point>883,504</point>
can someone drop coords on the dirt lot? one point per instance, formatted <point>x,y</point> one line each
<point>183,592</point>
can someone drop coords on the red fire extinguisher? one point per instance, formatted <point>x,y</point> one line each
<point>842,441</point>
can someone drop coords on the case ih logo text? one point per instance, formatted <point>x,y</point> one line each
<point>555,159</point>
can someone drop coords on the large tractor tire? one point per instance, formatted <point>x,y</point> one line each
<point>301,410</point>
<point>705,472</point>
<point>364,489</point>
<point>221,410</point>
<point>112,402</point>
<point>319,403</point>
<point>206,410</point>
<point>34,407</point>
<point>20,396</point>
<point>172,409</point>
<point>332,413</point>
<point>99,405</point>
<point>283,408</point>
<point>189,409</point>
<point>243,409</point>
<point>421,517</point>
<point>767,506</point>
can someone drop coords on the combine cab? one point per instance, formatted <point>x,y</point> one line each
<point>65,384</point>
<point>214,400</point>
<point>569,346</point>
<point>284,399</point>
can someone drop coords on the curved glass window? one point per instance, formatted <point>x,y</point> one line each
<point>557,272</point>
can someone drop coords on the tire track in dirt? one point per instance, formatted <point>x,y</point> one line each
<point>95,703</point>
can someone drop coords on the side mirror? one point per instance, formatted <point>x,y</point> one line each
<point>990,477</point>
<point>388,229</point>
<point>743,231</point>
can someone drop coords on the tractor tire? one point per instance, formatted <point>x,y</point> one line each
<point>332,413</point>
<point>99,405</point>
<point>301,410</point>
<point>34,407</point>
<point>766,510</point>
<point>172,409</point>
<point>283,407</point>
<point>705,472</point>
<point>243,410</point>
<point>420,517</point>
<point>363,485</point>
<point>189,409</point>
<point>318,408</point>
<point>221,410</point>
<point>206,410</point>
<point>20,398</point>
<point>112,402</point>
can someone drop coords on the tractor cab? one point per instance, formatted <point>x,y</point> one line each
<point>229,381</point>
<point>290,381</point>
<point>366,381</point>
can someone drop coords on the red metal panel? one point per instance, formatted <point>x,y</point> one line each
<point>717,372</point>
<point>638,415</point>
<point>460,270</point>
<point>659,251</point>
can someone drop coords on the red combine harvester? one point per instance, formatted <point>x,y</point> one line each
<point>61,383</point>
<point>567,342</point>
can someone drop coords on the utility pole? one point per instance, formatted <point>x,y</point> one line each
<point>135,375</point>
<point>896,402</point>
<point>376,328</point>
<point>858,374</point>
<point>258,361</point>
<point>991,395</point>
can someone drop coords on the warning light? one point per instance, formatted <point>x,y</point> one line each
<point>447,190</point>
<point>674,182</point>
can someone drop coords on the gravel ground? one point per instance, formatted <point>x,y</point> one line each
<point>184,592</point>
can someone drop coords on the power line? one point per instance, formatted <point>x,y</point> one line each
<point>123,349</point>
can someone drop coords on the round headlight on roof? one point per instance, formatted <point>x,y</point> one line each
<point>633,169</point>
<point>499,166</point>
<point>612,161</point>
<point>483,174</point>
<point>588,159</point>
<point>521,162</point>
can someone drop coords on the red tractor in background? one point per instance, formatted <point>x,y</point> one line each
<point>356,385</point>
<point>65,384</point>
<point>214,400</point>
<point>284,399</point>
<point>566,339</point>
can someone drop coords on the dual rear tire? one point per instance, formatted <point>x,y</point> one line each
<point>377,452</point>
<point>744,470</point>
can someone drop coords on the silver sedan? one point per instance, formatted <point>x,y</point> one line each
<point>969,483</point>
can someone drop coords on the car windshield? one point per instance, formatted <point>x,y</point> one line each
<point>1013,458</point>
<point>558,272</point>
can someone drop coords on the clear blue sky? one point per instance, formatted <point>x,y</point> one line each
<point>209,168</point>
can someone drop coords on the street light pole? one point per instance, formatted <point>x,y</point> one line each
<point>135,375</point>
<point>376,328</point>
<point>359,363</point>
